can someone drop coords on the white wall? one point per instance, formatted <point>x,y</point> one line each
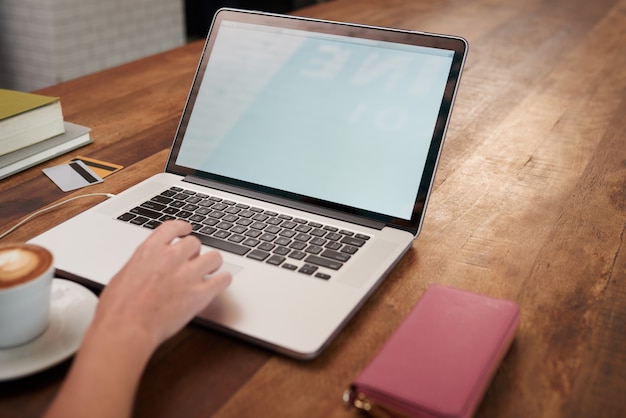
<point>44,42</point>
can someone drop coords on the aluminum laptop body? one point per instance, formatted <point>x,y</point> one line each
<point>332,126</point>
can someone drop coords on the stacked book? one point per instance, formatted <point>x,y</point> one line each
<point>32,130</point>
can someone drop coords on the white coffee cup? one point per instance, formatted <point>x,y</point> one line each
<point>26,273</point>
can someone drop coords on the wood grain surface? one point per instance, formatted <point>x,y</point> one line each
<point>529,204</point>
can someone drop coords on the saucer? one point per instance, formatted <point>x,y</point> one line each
<point>72,307</point>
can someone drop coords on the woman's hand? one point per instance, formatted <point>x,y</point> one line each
<point>159,290</point>
<point>163,285</point>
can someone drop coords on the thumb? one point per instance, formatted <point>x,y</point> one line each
<point>215,284</point>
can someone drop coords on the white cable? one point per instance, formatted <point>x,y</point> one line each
<point>56,205</point>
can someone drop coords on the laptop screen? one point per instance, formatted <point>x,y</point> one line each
<point>337,118</point>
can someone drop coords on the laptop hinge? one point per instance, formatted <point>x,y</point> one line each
<point>359,220</point>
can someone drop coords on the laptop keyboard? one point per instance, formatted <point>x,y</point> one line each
<point>263,235</point>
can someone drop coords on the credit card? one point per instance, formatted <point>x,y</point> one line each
<point>72,176</point>
<point>101,168</point>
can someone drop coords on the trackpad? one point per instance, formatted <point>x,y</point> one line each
<point>233,269</point>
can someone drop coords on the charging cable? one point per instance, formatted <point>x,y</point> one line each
<point>49,208</point>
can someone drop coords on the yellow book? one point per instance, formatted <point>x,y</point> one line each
<point>27,118</point>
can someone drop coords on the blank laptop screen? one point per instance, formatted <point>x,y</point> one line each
<point>341,119</point>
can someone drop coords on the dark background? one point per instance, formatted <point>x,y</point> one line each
<point>199,13</point>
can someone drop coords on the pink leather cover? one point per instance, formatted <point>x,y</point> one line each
<point>440,360</point>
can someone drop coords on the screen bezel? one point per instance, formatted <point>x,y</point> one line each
<point>453,43</point>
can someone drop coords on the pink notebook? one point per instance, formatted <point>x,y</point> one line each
<point>439,361</point>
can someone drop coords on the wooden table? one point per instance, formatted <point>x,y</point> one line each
<point>529,204</point>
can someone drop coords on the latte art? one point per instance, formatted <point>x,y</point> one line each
<point>21,263</point>
<point>15,263</point>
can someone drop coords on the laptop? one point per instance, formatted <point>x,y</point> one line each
<point>305,154</point>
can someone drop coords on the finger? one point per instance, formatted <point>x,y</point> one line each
<point>168,231</point>
<point>185,251</point>
<point>207,263</point>
<point>215,284</point>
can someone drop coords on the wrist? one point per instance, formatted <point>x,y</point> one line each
<point>122,334</point>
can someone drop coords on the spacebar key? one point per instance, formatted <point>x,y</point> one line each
<point>324,262</point>
<point>231,247</point>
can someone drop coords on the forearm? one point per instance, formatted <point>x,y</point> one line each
<point>104,377</point>
<point>157,292</point>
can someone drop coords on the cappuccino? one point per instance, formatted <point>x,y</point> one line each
<point>26,273</point>
<point>21,263</point>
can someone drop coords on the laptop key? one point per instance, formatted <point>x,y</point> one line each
<point>219,206</point>
<point>318,232</point>
<point>297,255</point>
<point>313,249</point>
<point>282,250</point>
<point>266,246</point>
<point>224,225</point>
<point>317,241</point>
<point>202,211</point>
<point>126,217</point>
<point>275,260</point>
<point>150,204</point>
<point>222,234</point>
<point>252,233</point>
<point>139,220</point>
<point>302,237</point>
<point>251,242</point>
<point>336,255</point>
<point>152,224</point>
<point>333,245</point>
<point>286,233</point>
<point>303,228</point>
<point>236,238</point>
<point>355,242</point>
<point>307,269</point>
<point>323,276</point>
<point>282,241</point>
<point>228,246</point>
<point>289,266</point>
<point>184,214</point>
<point>170,210</point>
<point>168,193</point>
<point>193,199</point>
<point>196,218</point>
<point>237,229</point>
<point>148,213</point>
<point>258,255</point>
<point>162,199</point>
<point>190,207</point>
<point>210,221</point>
<point>297,245</point>
<point>348,249</point>
<point>324,262</point>
<point>289,225</point>
<point>333,236</point>
<point>230,218</point>
<point>207,230</point>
